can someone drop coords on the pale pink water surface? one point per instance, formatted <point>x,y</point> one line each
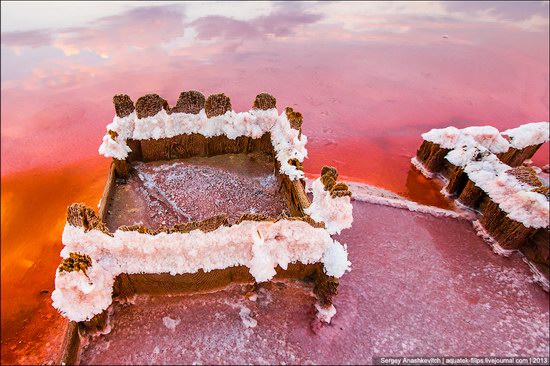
<point>369,78</point>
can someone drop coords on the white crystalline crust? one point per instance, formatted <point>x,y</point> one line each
<point>512,196</point>
<point>336,213</point>
<point>451,138</point>
<point>118,148</point>
<point>260,246</point>
<point>528,135</point>
<point>80,296</point>
<point>253,123</point>
<point>325,314</point>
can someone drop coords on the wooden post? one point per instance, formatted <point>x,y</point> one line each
<point>97,323</point>
<point>217,105</point>
<point>326,287</point>
<point>537,248</point>
<point>432,156</point>
<point>471,195</point>
<point>107,193</point>
<point>121,168</point>
<point>135,154</point>
<point>265,101</point>
<point>123,107</point>
<point>190,102</point>
<point>295,119</point>
<point>515,157</point>
<point>457,180</point>
<point>70,350</point>
<point>509,233</point>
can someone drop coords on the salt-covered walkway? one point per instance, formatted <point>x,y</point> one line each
<point>420,286</point>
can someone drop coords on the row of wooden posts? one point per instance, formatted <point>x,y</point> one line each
<point>184,146</point>
<point>512,235</point>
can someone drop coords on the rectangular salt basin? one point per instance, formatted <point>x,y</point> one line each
<point>164,193</point>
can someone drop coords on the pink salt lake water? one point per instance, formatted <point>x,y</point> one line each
<point>369,79</point>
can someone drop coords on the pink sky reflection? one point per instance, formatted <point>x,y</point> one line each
<point>374,88</point>
<point>377,84</point>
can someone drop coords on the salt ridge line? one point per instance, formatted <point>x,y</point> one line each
<point>287,142</point>
<point>260,246</point>
<point>363,192</point>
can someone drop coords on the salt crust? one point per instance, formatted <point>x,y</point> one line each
<point>253,123</point>
<point>512,196</point>
<point>325,314</point>
<point>451,138</point>
<point>528,134</point>
<point>412,206</point>
<point>335,212</point>
<point>260,246</point>
<point>363,192</point>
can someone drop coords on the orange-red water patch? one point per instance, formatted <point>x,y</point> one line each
<point>33,216</point>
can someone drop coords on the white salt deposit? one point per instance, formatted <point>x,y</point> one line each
<point>124,128</point>
<point>335,212</point>
<point>248,321</point>
<point>253,123</point>
<point>80,296</point>
<point>451,138</point>
<point>464,154</point>
<point>529,134</point>
<point>365,193</point>
<point>288,146</point>
<point>513,197</point>
<point>486,136</point>
<point>538,276</point>
<point>325,314</point>
<point>170,323</point>
<point>261,246</point>
<point>444,137</point>
<point>335,259</point>
<point>116,148</point>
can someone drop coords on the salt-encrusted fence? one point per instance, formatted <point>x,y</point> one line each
<point>198,126</point>
<point>99,265</point>
<point>256,241</point>
<point>483,169</point>
<point>256,244</point>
